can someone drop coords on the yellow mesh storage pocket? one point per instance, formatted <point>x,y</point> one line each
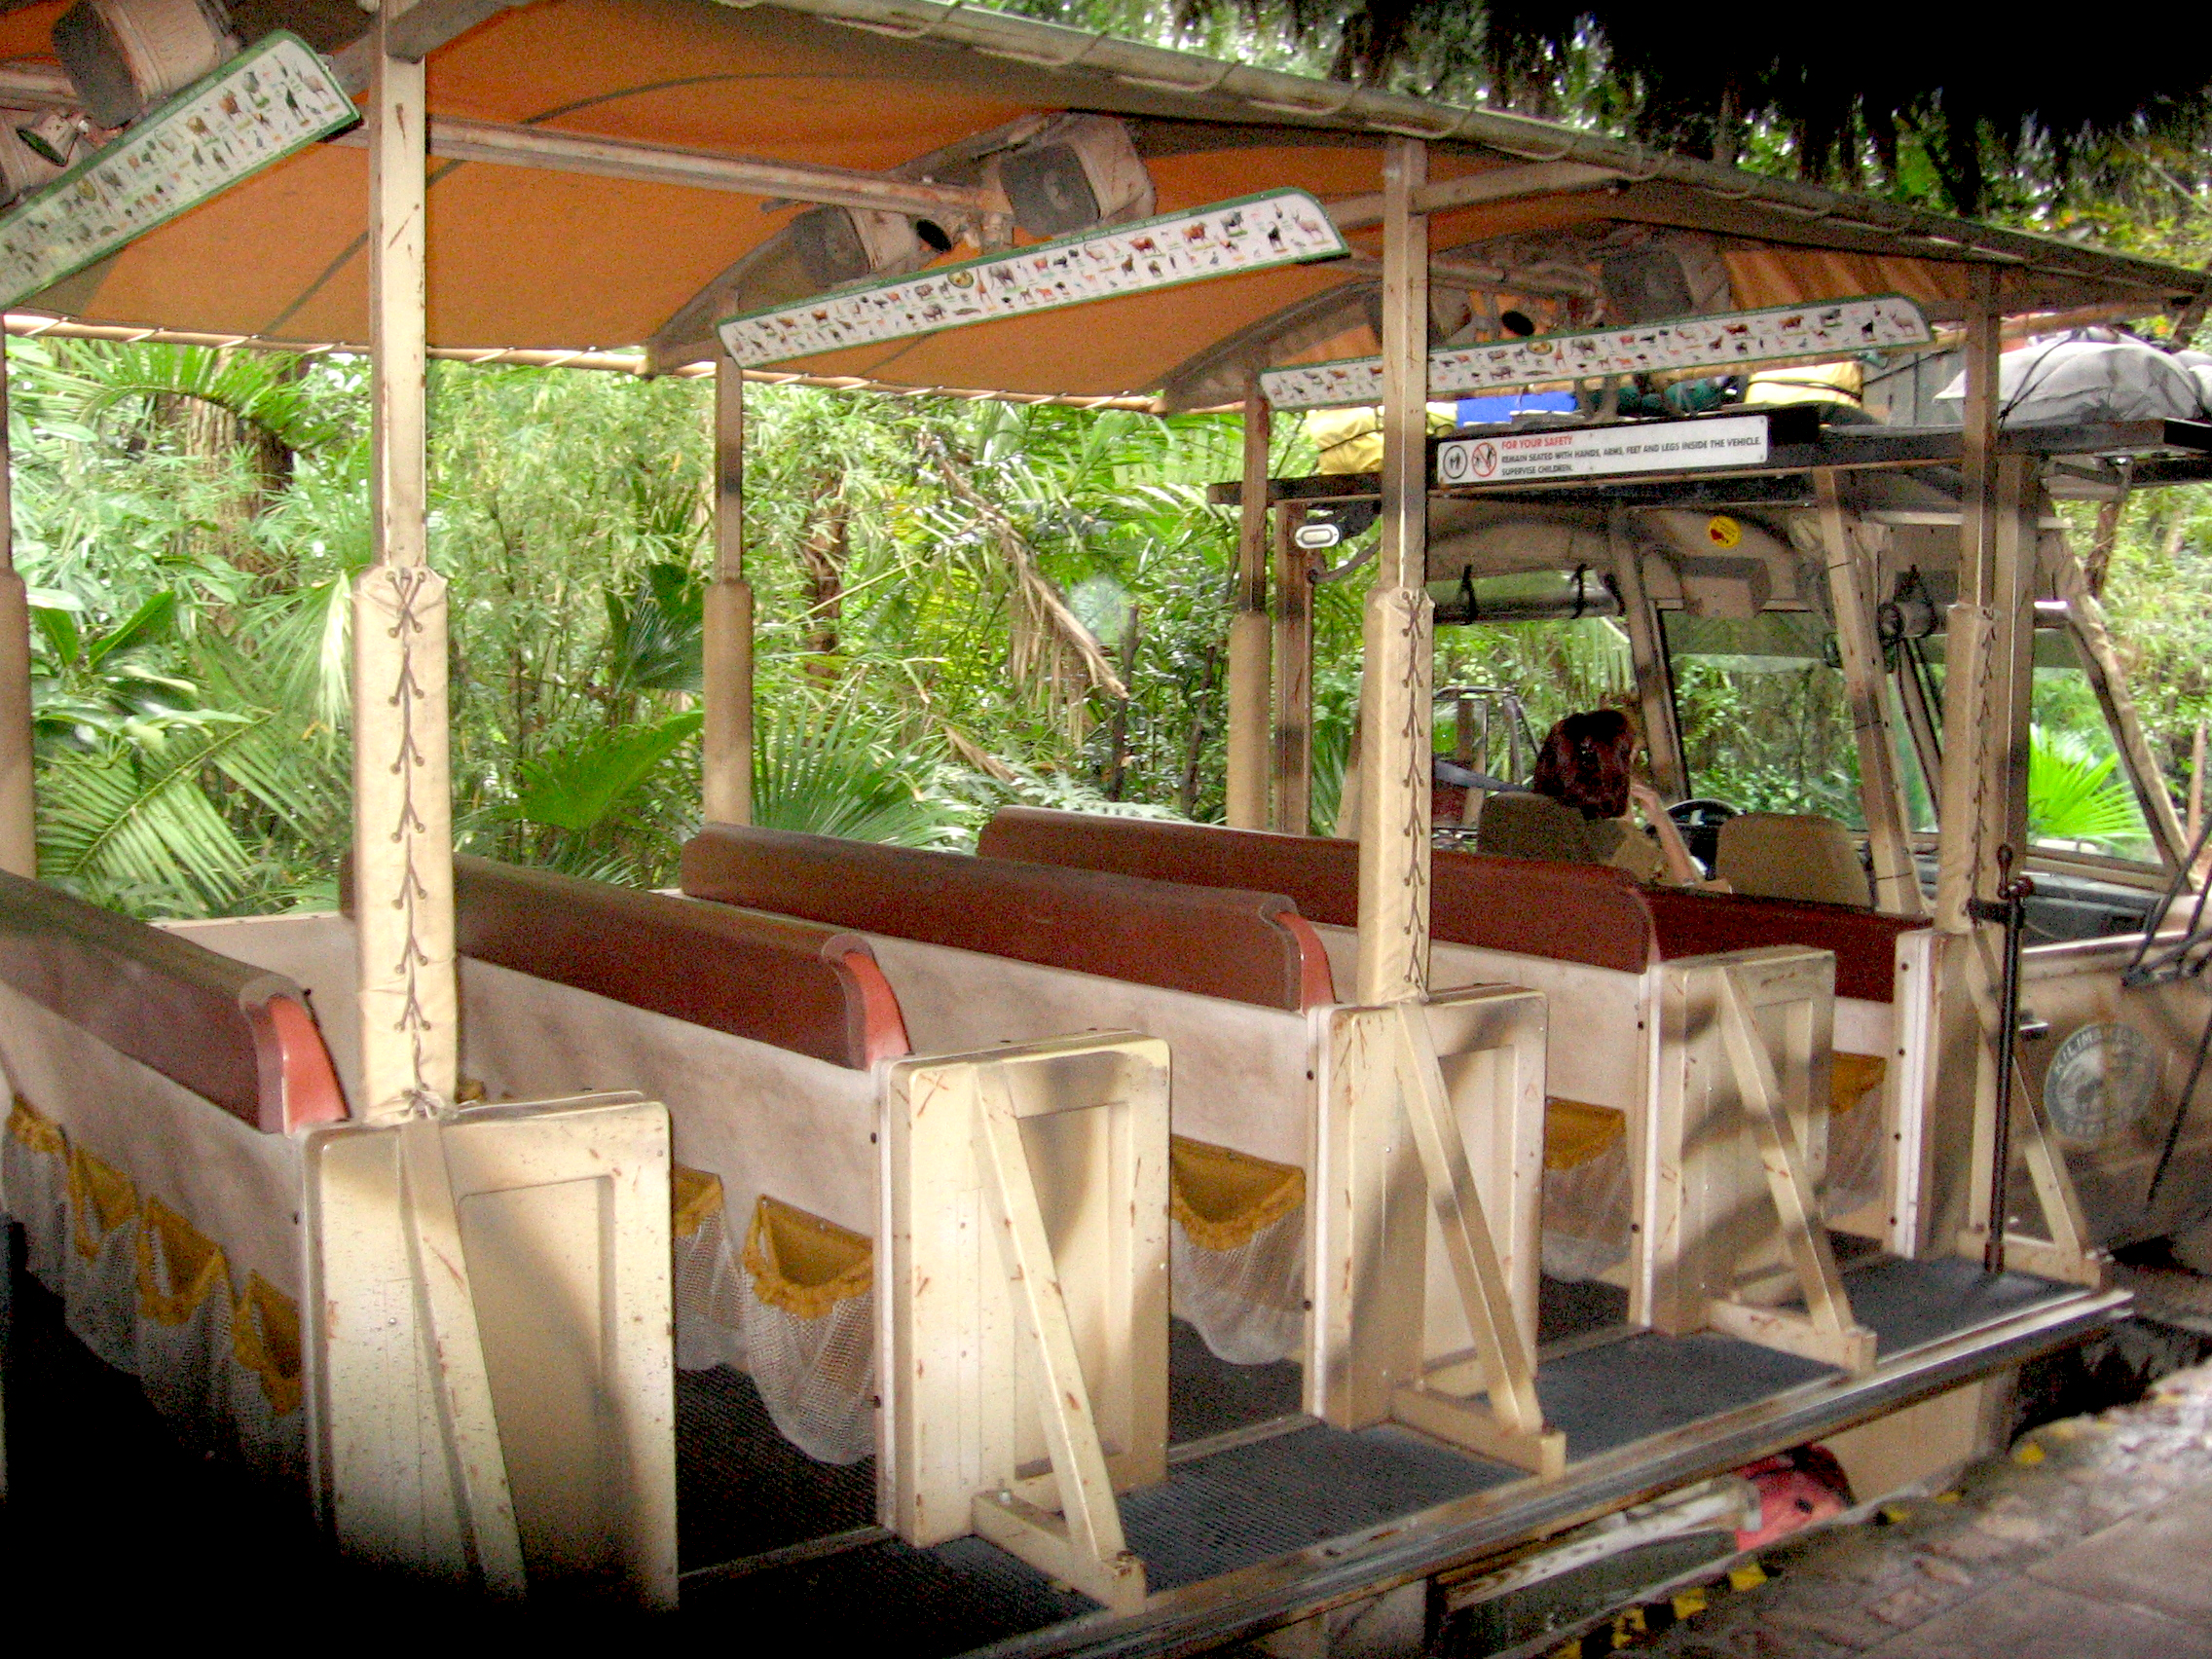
<point>267,1342</point>
<point>710,1316</point>
<point>34,1189</point>
<point>1586,1189</point>
<point>1856,1132</point>
<point>1236,1250</point>
<point>184,1340</point>
<point>99,1270</point>
<point>265,1383</point>
<point>808,1311</point>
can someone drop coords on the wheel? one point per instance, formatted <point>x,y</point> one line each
<point>1701,813</point>
<point>1700,821</point>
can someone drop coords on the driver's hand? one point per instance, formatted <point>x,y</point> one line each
<point>1646,797</point>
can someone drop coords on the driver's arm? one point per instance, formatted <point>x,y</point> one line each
<point>1681,869</point>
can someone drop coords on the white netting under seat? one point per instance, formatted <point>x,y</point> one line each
<point>100,1268</point>
<point>184,1339</point>
<point>34,1189</point>
<point>1586,1190</point>
<point>709,1305</point>
<point>152,1295</point>
<point>808,1311</point>
<point>1857,1133</point>
<point>1236,1250</point>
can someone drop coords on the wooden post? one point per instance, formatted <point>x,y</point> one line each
<point>1248,630</point>
<point>1987,688</point>
<point>1977,526</point>
<point>726,678</point>
<point>1648,655</point>
<point>1972,651</point>
<point>2101,665</point>
<point>2197,785</point>
<point>1395,756</point>
<point>1294,677</point>
<point>2013,584</point>
<point>1896,882</point>
<point>402,804</point>
<point>18,806</point>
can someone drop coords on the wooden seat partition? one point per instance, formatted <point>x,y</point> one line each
<point>235,1035</point>
<point>1238,983</point>
<point>1639,982</point>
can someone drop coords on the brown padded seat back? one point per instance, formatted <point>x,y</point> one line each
<point>793,985</point>
<point>1243,947</point>
<point>233,1034</point>
<point>1569,912</point>
<point>1519,824</point>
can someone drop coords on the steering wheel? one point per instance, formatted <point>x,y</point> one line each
<point>1703,813</point>
<point>1699,823</point>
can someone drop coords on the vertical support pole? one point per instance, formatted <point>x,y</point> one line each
<point>1978,440</point>
<point>1247,804</point>
<point>726,680</point>
<point>1394,685</point>
<point>1648,655</point>
<point>402,802</point>
<point>18,806</point>
<point>1972,653</point>
<point>1896,882</point>
<point>2012,581</point>
<point>1294,677</point>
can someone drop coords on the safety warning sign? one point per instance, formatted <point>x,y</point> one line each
<point>1585,451</point>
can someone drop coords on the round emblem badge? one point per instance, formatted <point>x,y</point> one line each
<point>2100,1082</point>
<point>1722,531</point>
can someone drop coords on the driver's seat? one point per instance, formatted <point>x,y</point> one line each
<point>1783,855</point>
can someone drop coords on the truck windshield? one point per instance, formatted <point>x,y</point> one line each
<point>1765,724</point>
<point>1766,728</point>
<point>2079,796</point>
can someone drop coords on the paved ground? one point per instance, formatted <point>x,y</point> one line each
<point>2090,1539</point>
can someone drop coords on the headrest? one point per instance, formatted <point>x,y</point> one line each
<point>1779,855</point>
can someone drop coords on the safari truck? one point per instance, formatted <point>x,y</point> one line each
<point>1132,1237</point>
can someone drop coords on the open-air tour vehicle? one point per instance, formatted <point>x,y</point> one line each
<point>1491,1197</point>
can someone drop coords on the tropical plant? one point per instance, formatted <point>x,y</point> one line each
<point>2075,796</point>
<point>824,768</point>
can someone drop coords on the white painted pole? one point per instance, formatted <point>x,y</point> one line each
<point>1293,611</point>
<point>1394,686</point>
<point>726,680</point>
<point>1249,631</point>
<point>18,806</point>
<point>402,801</point>
<point>1896,879</point>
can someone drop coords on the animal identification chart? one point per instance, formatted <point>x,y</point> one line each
<point>1883,322</point>
<point>1590,452</point>
<point>267,104</point>
<point>1283,226</point>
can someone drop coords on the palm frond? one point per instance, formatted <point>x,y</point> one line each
<point>824,771</point>
<point>127,817</point>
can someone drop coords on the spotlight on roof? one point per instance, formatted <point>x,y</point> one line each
<point>125,57</point>
<point>1080,170</point>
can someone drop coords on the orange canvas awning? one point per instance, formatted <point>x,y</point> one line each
<point>527,256</point>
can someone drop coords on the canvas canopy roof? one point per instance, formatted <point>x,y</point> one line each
<point>545,256</point>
